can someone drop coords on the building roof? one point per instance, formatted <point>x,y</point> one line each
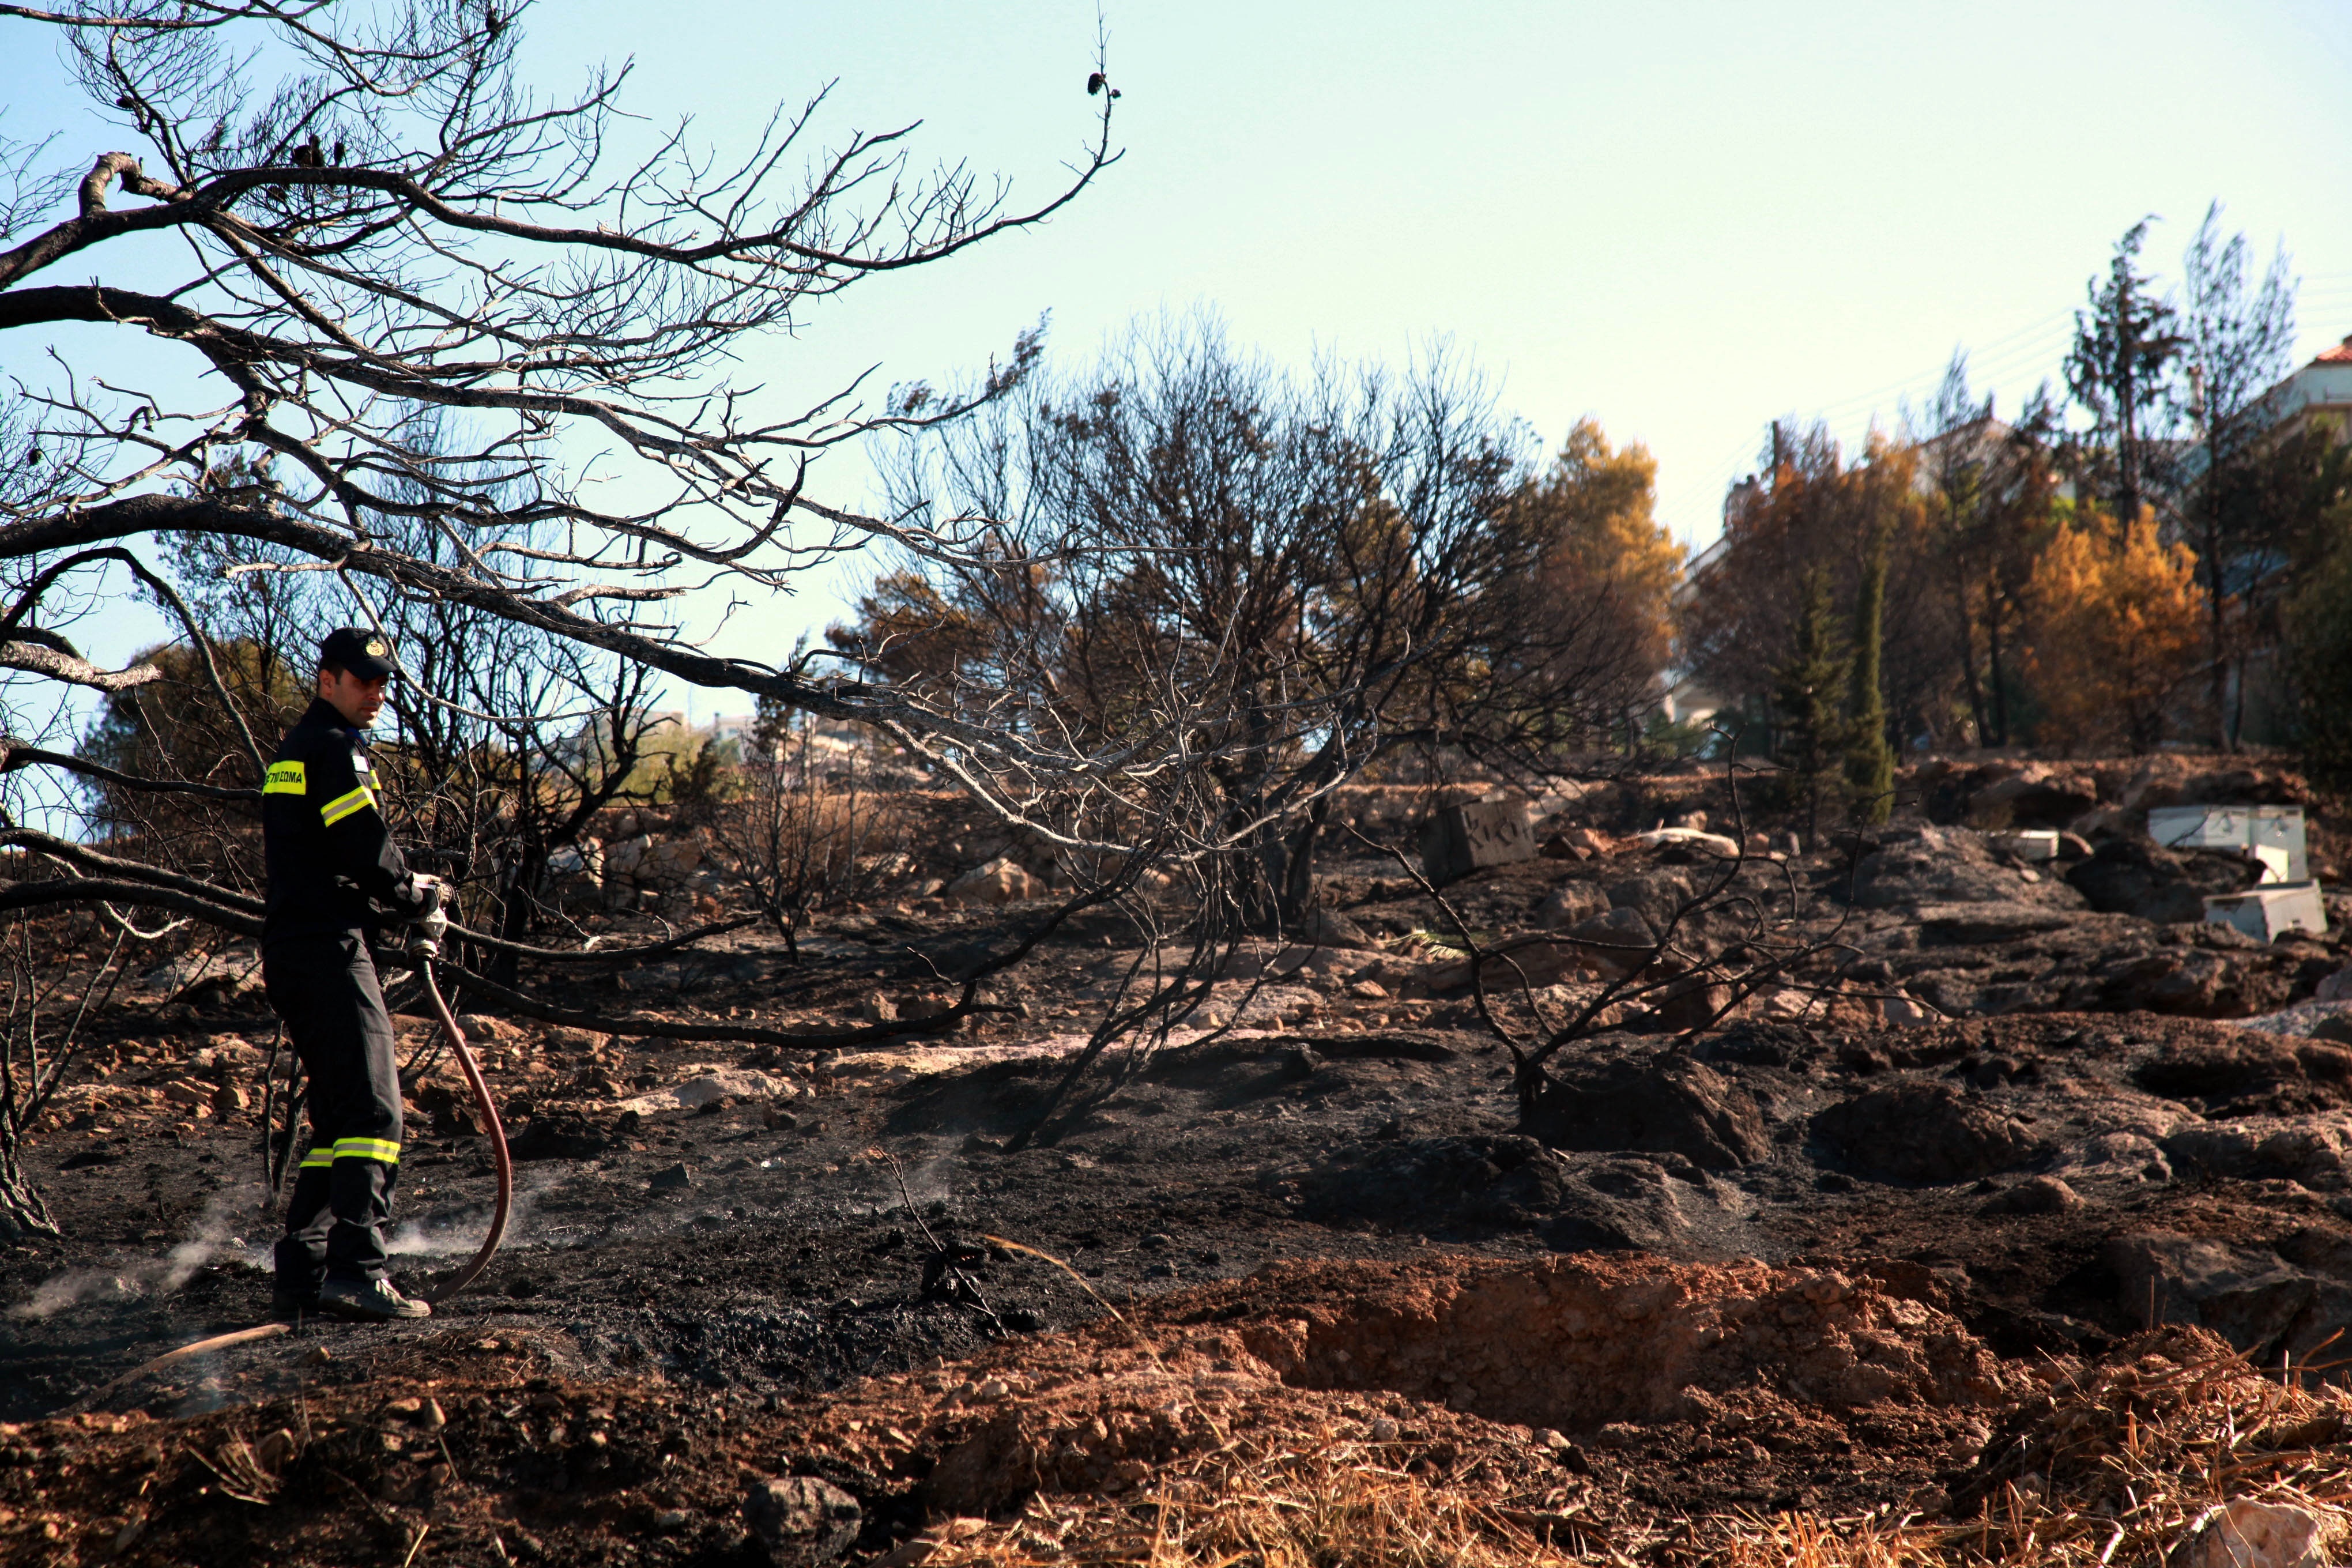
<point>2340,354</point>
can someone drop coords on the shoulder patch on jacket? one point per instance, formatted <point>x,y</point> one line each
<point>284,778</point>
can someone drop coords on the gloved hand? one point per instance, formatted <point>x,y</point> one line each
<point>431,924</point>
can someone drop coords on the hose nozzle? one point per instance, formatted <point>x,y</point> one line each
<point>428,926</point>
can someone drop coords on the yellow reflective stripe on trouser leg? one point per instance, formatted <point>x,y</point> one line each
<point>383,1149</point>
<point>284,778</point>
<point>342,805</point>
<point>319,1158</point>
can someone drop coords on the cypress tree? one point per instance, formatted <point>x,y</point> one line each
<point>1870,761</point>
<point>1809,701</point>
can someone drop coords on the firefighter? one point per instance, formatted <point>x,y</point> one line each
<point>334,873</point>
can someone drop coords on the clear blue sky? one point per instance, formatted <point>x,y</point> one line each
<point>1683,219</point>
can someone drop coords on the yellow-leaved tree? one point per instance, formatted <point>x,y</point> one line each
<point>1595,511</point>
<point>2117,618</point>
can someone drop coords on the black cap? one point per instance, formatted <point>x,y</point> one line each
<point>356,652</point>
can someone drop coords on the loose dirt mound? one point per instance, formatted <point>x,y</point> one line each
<point>1445,1372</point>
<point>1570,1344</point>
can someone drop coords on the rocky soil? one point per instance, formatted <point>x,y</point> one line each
<point>2015,1120</point>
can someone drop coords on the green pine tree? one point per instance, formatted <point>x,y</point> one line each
<point>1809,702</point>
<point>1869,761</point>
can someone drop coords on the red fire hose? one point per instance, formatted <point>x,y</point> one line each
<point>424,948</point>
<point>490,1126</point>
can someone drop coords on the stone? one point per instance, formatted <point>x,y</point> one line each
<point>1914,867</point>
<point>1971,924</point>
<point>1479,1183</point>
<point>2312,1150</point>
<point>2251,1534</point>
<point>1721,845</point>
<point>1000,881</point>
<point>1656,895</point>
<point>2246,1074</point>
<point>2035,1194</point>
<point>1477,834</point>
<point>1693,1002</point>
<point>802,1521</point>
<point>676,1178</point>
<point>1901,1012</point>
<point>2293,1299</point>
<point>1329,928</point>
<point>2035,795</point>
<point>1571,902</point>
<point>558,1135</point>
<point>1923,1132</point>
<point>2131,874</point>
<point>1533,961</point>
<point>1615,944</point>
<point>877,1008</point>
<point>1661,1103</point>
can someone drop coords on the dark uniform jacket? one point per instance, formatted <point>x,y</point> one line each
<point>328,848</point>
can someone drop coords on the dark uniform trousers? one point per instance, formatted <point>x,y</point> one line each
<point>324,987</point>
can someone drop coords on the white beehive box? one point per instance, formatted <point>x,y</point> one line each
<point>2028,844</point>
<point>2270,833</point>
<point>2270,911</point>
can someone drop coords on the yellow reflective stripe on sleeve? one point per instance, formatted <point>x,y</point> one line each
<point>381,1148</point>
<point>319,1158</point>
<point>342,805</point>
<point>284,778</point>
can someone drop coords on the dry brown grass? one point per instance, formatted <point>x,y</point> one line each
<point>2176,1452</point>
<point>1279,1504</point>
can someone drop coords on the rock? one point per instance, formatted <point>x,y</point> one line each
<point>707,1086</point>
<point>1616,944</point>
<point>2312,1150</point>
<point>2132,875</point>
<point>670,863</point>
<point>1900,1012</point>
<point>559,1135</point>
<point>2246,1074</point>
<point>1463,838</point>
<point>1937,866</point>
<point>802,1521</point>
<point>1533,961</point>
<point>1330,928</point>
<point>623,857</point>
<point>1664,1103</point>
<point>1691,1003</point>
<point>1656,895</point>
<point>2035,1194</point>
<point>2293,1299</point>
<point>1974,924</point>
<point>2035,795</point>
<point>2251,1534</point>
<point>1923,1132</point>
<point>876,1008</point>
<point>1720,845</point>
<point>1577,843</point>
<point>2111,1154</point>
<point>1571,902</point>
<point>676,1178</point>
<point>1000,881</point>
<point>1479,1183</point>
